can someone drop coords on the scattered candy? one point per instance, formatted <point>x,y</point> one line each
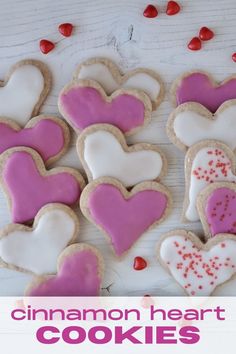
<point>172,8</point>
<point>195,44</point>
<point>66,29</point>
<point>205,34</point>
<point>234,57</point>
<point>46,46</point>
<point>150,11</point>
<point>139,263</point>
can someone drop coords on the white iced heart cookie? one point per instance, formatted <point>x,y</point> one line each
<point>199,268</point>
<point>108,75</point>
<point>37,249</point>
<point>205,163</point>
<point>103,152</point>
<point>24,90</point>
<point>191,123</point>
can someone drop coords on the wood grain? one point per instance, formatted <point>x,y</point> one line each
<point>118,30</point>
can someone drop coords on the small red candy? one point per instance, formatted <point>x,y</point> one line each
<point>46,46</point>
<point>150,11</point>
<point>195,44</point>
<point>139,263</point>
<point>66,29</point>
<point>205,34</point>
<point>172,8</point>
<point>234,57</point>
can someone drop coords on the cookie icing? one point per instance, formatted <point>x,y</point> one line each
<point>84,106</point>
<point>21,93</point>
<point>37,250</point>
<point>46,137</point>
<point>208,166</point>
<point>78,275</point>
<point>197,87</point>
<point>220,211</point>
<point>190,127</point>
<point>139,80</point>
<point>29,190</point>
<point>198,271</point>
<point>125,220</point>
<point>105,156</point>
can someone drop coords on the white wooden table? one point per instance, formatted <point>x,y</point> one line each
<point>117,29</point>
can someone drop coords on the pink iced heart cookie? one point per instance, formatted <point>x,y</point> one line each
<point>29,186</point>
<point>124,216</point>
<point>202,88</point>
<point>49,136</point>
<point>80,270</point>
<point>217,208</point>
<point>199,268</point>
<point>84,103</point>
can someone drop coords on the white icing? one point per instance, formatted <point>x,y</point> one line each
<point>38,250</point>
<point>105,157</point>
<point>21,93</point>
<point>190,127</point>
<point>100,73</point>
<point>202,160</point>
<point>200,286</point>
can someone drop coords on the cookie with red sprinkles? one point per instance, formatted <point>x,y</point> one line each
<point>197,267</point>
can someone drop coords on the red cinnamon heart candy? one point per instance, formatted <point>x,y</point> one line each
<point>66,29</point>
<point>234,57</point>
<point>172,8</point>
<point>205,34</point>
<point>139,263</point>
<point>195,44</point>
<point>150,11</point>
<point>46,46</point>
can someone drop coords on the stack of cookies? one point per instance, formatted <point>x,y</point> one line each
<point>103,107</point>
<point>202,125</point>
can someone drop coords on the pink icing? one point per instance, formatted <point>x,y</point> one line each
<point>78,276</point>
<point>198,88</point>
<point>29,191</point>
<point>125,220</point>
<point>221,211</point>
<point>46,137</point>
<point>85,106</point>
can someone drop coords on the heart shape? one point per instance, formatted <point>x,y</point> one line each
<point>80,270</point>
<point>172,8</point>
<point>202,88</point>
<point>49,136</point>
<point>199,268</point>
<point>37,249</point>
<point>46,46</point>
<point>24,90</point>
<point>65,29</point>
<point>108,75</point>
<point>205,163</point>
<point>150,11</point>
<point>29,186</point>
<point>103,152</point>
<point>216,206</point>
<point>84,103</point>
<point>205,34</point>
<point>195,44</point>
<point>124,216</point>
<point>191,123</point>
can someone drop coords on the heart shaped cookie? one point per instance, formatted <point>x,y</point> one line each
<point>217,208</point>
<point>48,135</point>
<point>124,216</point>
<point>108,75</point>
<point>36,249</point>
<point>191,123</point>
<point>200,87</point>
<point>103,152</point>
<point>84,103</point>
<point>24,90</point>
<point>80,271</point>
<point>205,163</point>
<point>28,186</point>
<point>199,268</point>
